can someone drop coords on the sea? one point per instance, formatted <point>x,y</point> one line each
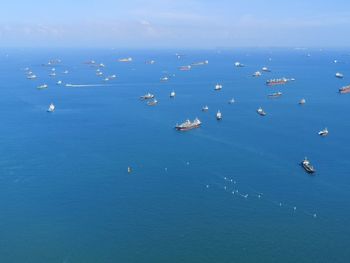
<point>230,191</point>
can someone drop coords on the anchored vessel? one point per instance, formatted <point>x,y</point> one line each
<point>152,102</point>
<point>275,94</point>
<point>257,74</point>
<point>44,86</point>
<point>231,101</point>
<point>345,89</point>
<point>308,166</point>
<point>185,68</point>
<point>238,64</point>
<point>302,101</point>
<point>266,69</point>
<point>280,81</point>
<point>147,96</point>
<point>205,108</point>
<point>323,132</point>
<point>172,94</point>
<point>188,125</point>
<point>261,112</point>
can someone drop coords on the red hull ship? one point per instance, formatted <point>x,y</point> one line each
<point>345,89</point>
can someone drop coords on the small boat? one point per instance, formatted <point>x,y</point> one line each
<point>101,65</point>
<point>59,82</point>
<point>257,74</point>
<point>275,94</point>
<point>99,73</point>
<point>188,125</point>
<point>172,94</point>
<point>52,74</point>
<point>266,69</point>
<point>147,96</point>
<point>112,76</point>
<point>218,115</point>
<point>150,62</point>
<point>231,101</point>
<point>164,79</point>
<point>129,169</point>
<point>308,166</point>
<point>44,86</point>
<point>218,87</point>
<point>238,64</point>
<point>339,75</point>
<point>152,102</point>
<point>302,101</point>
<point>65,72</point>
<point>323,132</point>
<point>205,108</point>
<point>261,112</point>
<point>51,108</point>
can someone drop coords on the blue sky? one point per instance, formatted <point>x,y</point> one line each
<point>175,23</point>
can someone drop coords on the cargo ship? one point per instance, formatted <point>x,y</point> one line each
<point>273,82</point>
<point>185,68</point>
<point>345,89</point>
<point>275,94</point>
<point>188,125</point>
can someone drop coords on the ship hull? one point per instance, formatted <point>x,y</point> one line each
<point>187,128</point>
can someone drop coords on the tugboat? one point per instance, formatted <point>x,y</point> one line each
<point>275,94</point>
<point>205,108</point>
<point>339,75</point>
<point>147,96</point>
<point>261,112</point>
<point>152,102</point>
<point>323,132</point>
<point>218,115</point>
<point>51,108</point>
<point>172,94</point>
<point>218,87</point>
<point>188,125</point>
<point>302,101</point>
<point>308,166</point>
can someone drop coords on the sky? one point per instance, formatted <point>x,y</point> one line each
<point>175,23</point>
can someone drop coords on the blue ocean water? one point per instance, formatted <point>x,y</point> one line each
<point>66,196</point>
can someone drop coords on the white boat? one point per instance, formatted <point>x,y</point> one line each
<point>323,132</point>
<point>163,79</point>
<point>205,108</point>
<point>238,64</point>
<point>261,112</point>
<point>44,86</point>
<point>302,101</point>
<point>218,115</point>
<point>99,73</point>
<point>257,74</point>
<point>218,87</point>
<point>51,108</point>
<point>59,82</point>
<point>231,101</point>
<point>172,94</point>
<point>65,72</point>
<point>266,69</point>
<point>101,65</point>
<point>150,62</point>
<point>339,75</point>
<point>52,74</point>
